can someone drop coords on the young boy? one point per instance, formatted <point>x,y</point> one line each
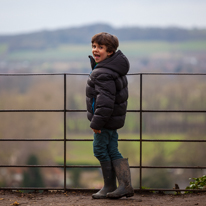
<point>106,98</point>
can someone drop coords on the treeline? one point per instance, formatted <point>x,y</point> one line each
<point>82,35</point>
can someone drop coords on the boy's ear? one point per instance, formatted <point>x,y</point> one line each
<point>110,53</point>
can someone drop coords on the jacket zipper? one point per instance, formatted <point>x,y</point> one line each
<point>93,100</point>
<point>93,103</point>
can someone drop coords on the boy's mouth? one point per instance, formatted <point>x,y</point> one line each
<point>96,55</point>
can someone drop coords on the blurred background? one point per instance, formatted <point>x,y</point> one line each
<point>55,37</point>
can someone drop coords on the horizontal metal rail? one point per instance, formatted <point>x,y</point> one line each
<point>75,110</point>
<point>98,166</point>
<point>65,140</point>
<point>86,74</point>
<point>95,190</point>
<point>77,140</point>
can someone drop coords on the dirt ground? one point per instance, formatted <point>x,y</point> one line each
<point>58,198</point>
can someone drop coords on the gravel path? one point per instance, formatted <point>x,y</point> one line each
<point>56,198</point>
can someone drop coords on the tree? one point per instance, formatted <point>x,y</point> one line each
<point>32,177</point>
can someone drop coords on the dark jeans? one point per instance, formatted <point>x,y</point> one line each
<point>105,145</point>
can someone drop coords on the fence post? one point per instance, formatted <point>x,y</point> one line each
<point>140,133</point>
<point>65,134</point>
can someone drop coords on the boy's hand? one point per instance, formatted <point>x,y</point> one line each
<point>96,131</point>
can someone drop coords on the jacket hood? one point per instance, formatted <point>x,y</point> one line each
<point>118,62</point>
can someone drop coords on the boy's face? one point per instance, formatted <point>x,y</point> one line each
<point>100,52</point>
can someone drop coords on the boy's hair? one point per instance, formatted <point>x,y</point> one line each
<point>109,40</point>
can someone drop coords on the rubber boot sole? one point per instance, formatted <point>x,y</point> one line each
<point>98,197</point>
<point>120,196</point>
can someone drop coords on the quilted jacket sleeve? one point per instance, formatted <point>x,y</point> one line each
<point>104,102</point>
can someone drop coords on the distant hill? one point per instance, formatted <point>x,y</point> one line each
<point>82,35</point>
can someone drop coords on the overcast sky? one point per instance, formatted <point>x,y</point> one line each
<point>20,16</point>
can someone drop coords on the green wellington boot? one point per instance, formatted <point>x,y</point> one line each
<point>122,171</point>
<point>109,180</point>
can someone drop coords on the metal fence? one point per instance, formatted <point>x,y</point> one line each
<point>140,140</point>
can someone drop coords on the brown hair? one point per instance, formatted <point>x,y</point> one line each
<point>109,40</point>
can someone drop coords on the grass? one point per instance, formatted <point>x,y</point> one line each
<point>3,48</point>
<point>131,49</point>
<point>141,48</point>
<point>82,152</point>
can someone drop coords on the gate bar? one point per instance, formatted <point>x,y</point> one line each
<point>65,134</point>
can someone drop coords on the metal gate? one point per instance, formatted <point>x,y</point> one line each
<point>64,110</point>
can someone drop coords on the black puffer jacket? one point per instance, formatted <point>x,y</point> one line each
<point>107,92</point>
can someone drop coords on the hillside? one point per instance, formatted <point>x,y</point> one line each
<point>82,35</point>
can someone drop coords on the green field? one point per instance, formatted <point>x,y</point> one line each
<point>82,152</point>
<point>131,49</point>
